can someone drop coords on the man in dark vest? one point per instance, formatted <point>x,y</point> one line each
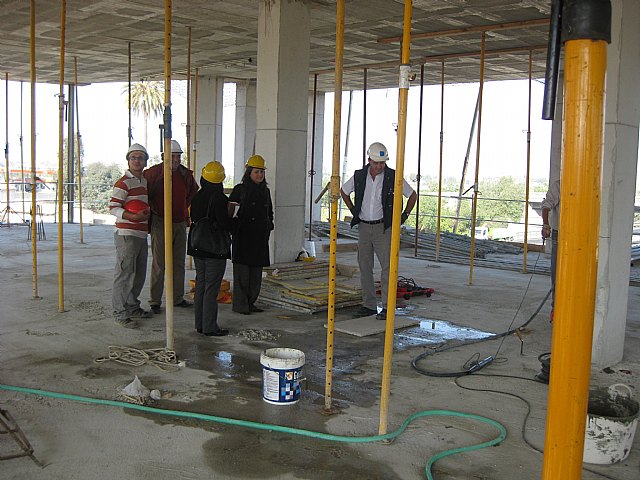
<point>373,186</point>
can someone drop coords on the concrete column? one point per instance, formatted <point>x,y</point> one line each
<point>622,116</point>
<point>209,128</point>
<point>317,158</point>
<point>245,126</point>
<point>281,131</point>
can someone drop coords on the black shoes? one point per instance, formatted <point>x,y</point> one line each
<point>220,333</point>
<point>155,309</point>
<point>253,309</point>
<point>184,304</point>
<point>365,311</point>
<point>382,315</point>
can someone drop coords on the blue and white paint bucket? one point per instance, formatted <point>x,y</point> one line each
<point>281,375</point>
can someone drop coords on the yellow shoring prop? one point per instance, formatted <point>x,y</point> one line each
<point>22,150</point>
<point>415,244</point>
<point>168,200</point>
<point>75,81</point>
<point>334,197</point>
<point>188,125</point>
<point>130,131</point>
<point>526,195</point>
<point>475,184</point>
<point>34,231</point>
<point>403,94</point>
<point>61,105</point>
<point>584,76</point>
<point>195,117</point>
<point>440,164</point>
<point>6,147</point>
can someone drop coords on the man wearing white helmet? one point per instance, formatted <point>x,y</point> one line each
<point>130,207</point>
<point>184,188</point>
<point>373,187</point>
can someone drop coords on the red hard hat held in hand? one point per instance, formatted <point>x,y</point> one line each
<point>136,206</point>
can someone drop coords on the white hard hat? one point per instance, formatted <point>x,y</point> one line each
<point>378,152</point>
<point>136,147</point>
<point>175,147</point>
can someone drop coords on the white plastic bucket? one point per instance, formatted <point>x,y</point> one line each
<point>281,375</point>
<point>612,418</point>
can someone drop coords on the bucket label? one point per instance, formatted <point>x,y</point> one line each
<point>270,381</point>
<point>281,386</point>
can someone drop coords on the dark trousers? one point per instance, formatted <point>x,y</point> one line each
<point>209,273</point>
<point>554,265</point>
<point>246,287</point>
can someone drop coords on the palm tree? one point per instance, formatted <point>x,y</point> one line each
<point>147,98</point>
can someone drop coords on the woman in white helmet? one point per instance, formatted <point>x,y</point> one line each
<point>211,202</point>
<point>253,223</point>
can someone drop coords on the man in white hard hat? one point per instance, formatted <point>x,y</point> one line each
<point>184,188</point>
<point>129,204</point>
<point>373,187</point>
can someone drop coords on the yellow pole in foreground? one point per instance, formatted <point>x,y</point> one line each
<point>334,197</point>
<point>63,12</point>
<point>188,126</point>
<point>75,81</point>
<point>584,75</point>
<point>475,184</point>
<point>405,70</point>
<point>6,147</point>
<point>195,117</point>
<point>34,227</point>
<point>168,217</point>
<point>526,196</point>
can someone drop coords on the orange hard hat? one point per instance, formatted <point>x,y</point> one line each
<point>136,206</point>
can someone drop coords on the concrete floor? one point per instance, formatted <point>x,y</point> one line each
<point>43,349</point>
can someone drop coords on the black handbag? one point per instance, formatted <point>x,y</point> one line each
<point>208,239</point>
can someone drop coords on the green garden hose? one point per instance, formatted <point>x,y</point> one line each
<point>292,431</point>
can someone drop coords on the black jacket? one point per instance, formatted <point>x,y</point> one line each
<point>388,183</point>
<point>210,194</point>
<point>253,225</point>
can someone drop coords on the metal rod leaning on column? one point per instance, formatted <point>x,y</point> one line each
<point>527,176</point>
<point>33,226</point>
<point>168,199</point>
<point>195,118</point>
<point>79,143</point>
<point>415,245</point>
<point>60,192</point>
<point>334,196</point>
<point>475,184</point>
<point>22,151</point>
<point>440,165</point>
<point>6,146</point>
<point>403,95</point>
<point>313,154</point>
<point>586,27</point>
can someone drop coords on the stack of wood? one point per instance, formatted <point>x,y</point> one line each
<point>304,287</point>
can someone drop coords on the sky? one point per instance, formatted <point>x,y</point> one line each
<point>104,120</point>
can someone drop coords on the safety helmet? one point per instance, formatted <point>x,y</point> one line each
<point>378,152</point>
<point>136,147</point>
<point>213,172</point>
<point>175,147</point>
<point>256,161</point>
<point>136,206</point>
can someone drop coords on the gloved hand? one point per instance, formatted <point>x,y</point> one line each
<point>403,217</point>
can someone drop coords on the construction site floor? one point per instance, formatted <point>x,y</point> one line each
<point>43,349</point>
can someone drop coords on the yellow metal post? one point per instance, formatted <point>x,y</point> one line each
<point>188,126</point>
<point>61,105</point>
<point>334,197</point>
<point>441,156</point>
<point>6,147</point>
<point>34,227</point>
<point>475,184</point>
<point>168,217</point>
<point>405,70</point>
<point>584,75</point>
<point>526,196</point>
<point>75,81</point>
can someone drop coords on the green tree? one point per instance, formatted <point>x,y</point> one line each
<point>147,98</point>
<point>97,184</point>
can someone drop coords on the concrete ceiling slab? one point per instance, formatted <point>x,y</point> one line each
<point>224,39</point>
